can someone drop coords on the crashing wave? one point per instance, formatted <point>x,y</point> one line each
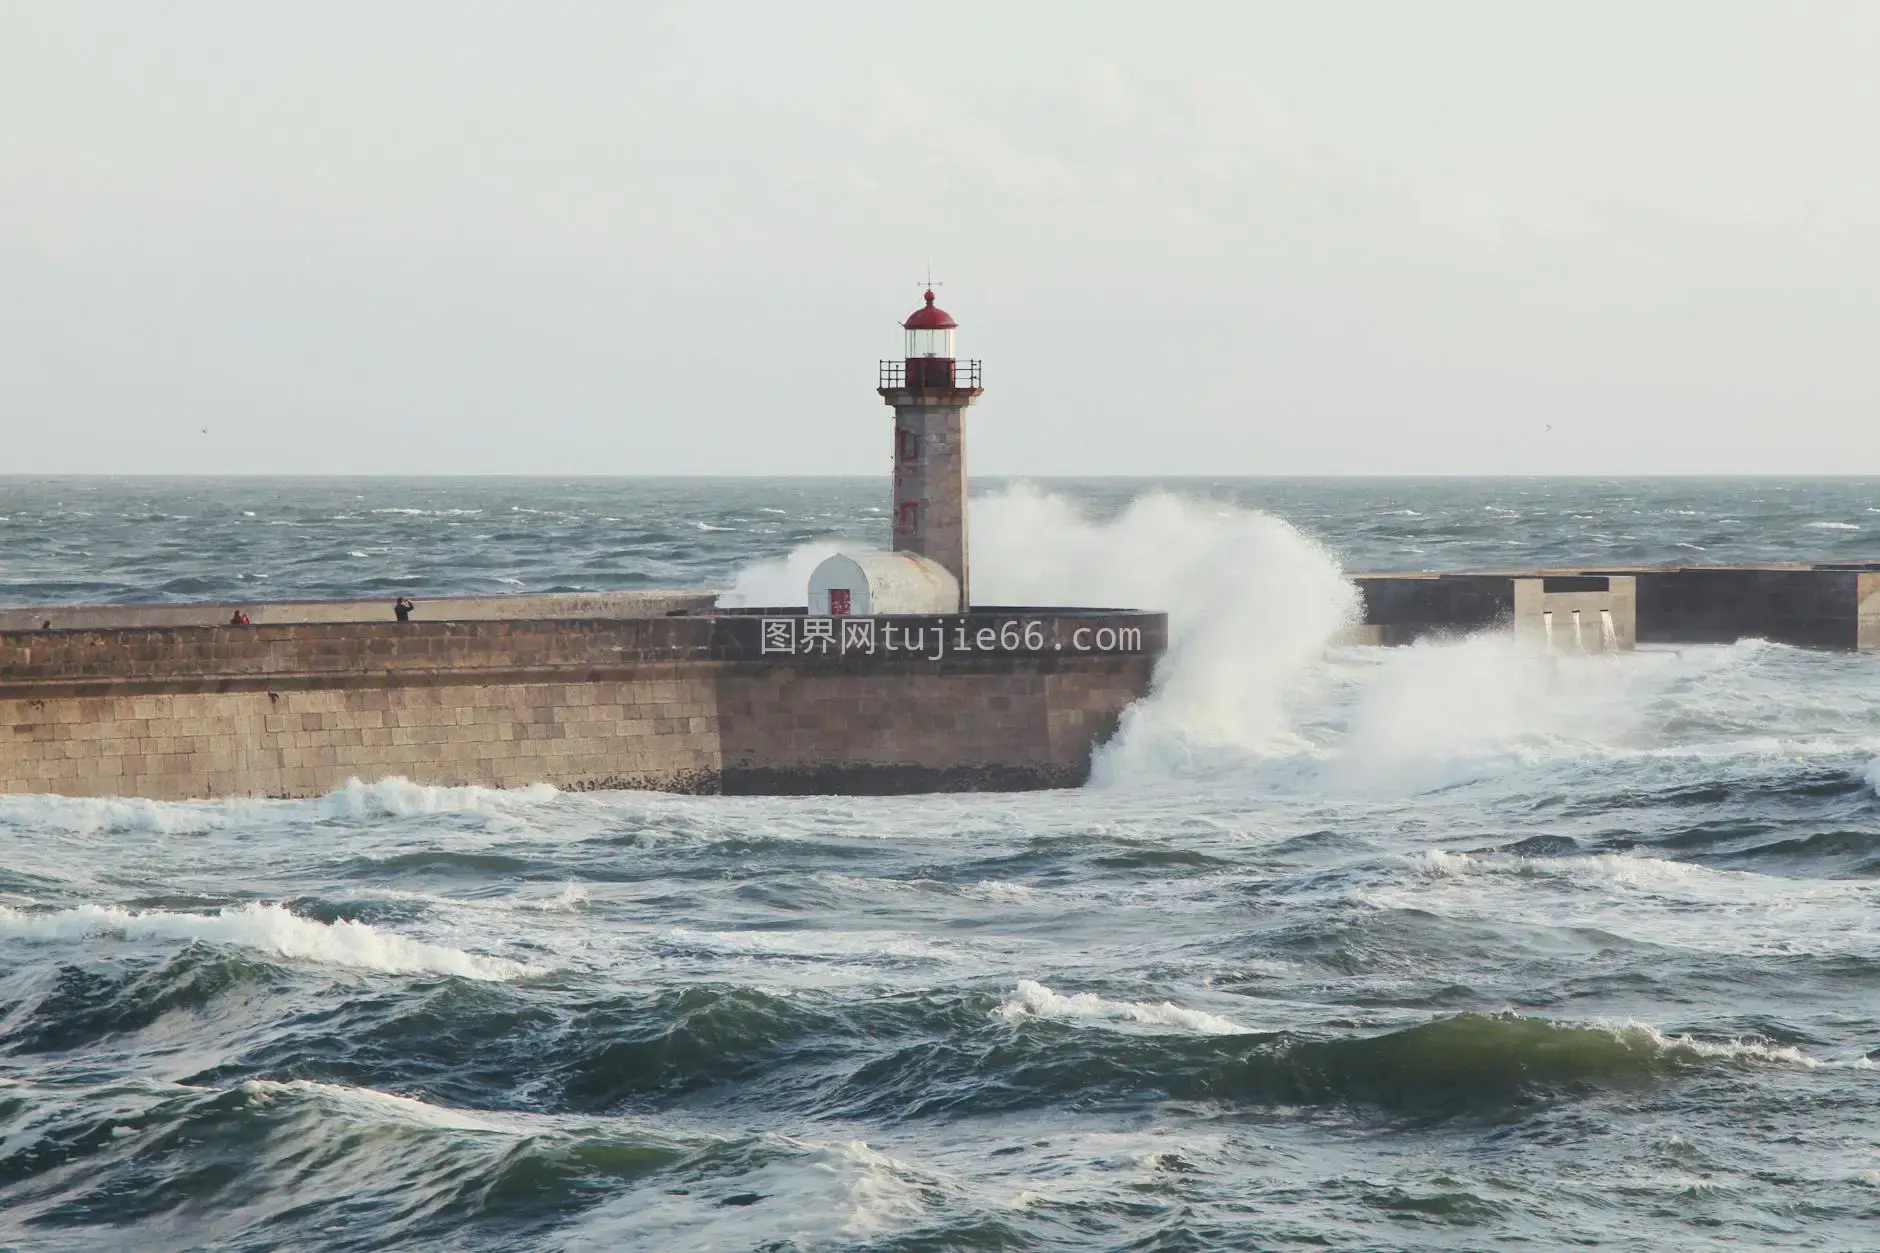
<point>1034,1000</point>
<point>266,928</point>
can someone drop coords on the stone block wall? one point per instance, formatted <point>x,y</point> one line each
<point>691,704</point>
<point>656,731</point>
<point>981,724</point>
<point>1085,704</point>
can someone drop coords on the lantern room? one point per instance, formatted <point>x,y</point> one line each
<point>930,346</point>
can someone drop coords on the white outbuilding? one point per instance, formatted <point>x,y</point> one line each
<point>877,583</point>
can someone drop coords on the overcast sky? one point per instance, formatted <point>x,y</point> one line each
<point>1224,238</point>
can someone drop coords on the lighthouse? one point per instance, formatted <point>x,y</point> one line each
<point>929,389</point>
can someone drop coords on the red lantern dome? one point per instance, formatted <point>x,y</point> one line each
<point>930,318</point>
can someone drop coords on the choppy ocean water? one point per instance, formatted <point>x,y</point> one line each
<point>1435,948</point>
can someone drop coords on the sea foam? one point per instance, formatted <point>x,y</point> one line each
<point>396,796</point>
<point>391,797</point>
<point>266,928</point>
<point>825,1193</point>
<point>1035,1000</point>
<point>1252,605</point>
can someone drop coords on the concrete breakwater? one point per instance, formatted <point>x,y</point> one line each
<point>1825,605</point>
<point>737,702</point>
<point>659,690</point>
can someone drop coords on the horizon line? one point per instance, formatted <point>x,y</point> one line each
<point>390,476</point>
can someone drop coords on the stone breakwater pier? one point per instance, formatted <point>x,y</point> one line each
<point>662,690</point>
<point>628,691</point>
<point>890,680</point>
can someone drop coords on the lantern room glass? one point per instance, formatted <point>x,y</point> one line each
<point>930,343</point>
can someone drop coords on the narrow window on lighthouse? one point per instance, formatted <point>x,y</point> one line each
<point>907,445</point>
<point>910,516</point>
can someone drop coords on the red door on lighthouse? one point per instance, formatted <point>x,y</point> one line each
<point>838,602</point>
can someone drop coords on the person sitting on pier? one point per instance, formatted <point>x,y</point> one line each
<point>402,608</point>
<point>241,618</point>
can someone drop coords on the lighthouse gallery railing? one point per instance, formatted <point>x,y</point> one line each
<point>930,372</point>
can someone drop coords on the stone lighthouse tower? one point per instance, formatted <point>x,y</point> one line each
<point>930,389</point>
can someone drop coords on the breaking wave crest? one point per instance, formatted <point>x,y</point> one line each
<point>370,1168</point>
<point>1518,1041</point>
<point>265,928</point>
<point>398,797</point>
<point>1597,869</point>
<point>1036,1000</point>
<point>363,1168</point>
<point>1252,605</point>
<point>391,797</point>
<point>1452,1065</point>
<point>85,815</point>
<point>369,1104</point>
